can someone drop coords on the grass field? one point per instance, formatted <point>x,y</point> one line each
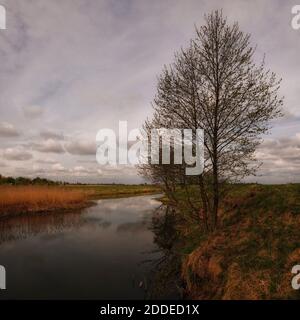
<point>115,190</point>
<point>15,200</point>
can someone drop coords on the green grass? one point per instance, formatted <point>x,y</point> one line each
<point>116,190</point>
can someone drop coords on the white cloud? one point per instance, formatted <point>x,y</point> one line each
<point>58,167</point>
<point>80,169</point>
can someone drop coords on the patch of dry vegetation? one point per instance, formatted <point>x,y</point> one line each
<point>24,199</point>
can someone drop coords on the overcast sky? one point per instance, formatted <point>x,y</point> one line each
<point>71,67</point>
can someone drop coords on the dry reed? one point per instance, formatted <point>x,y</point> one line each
<point>20,199</point>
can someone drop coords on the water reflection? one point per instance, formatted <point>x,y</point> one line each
<point>165,277</point>
<point>24,226</point>
<point>96,254</point>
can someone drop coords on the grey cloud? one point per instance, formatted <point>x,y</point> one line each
<point>48,134</point>
<point>3,164</point>
<point>282,147</point>
<point>8,130</point>
<point>33,111</point>
<point>84,161</point>
<point>48,146</point>
<point>104,171</point>
<point>289,116</point>
<point>29,172</point>
<point>81,147</point>
<point>45,161</point>
<point>17,154</point>
<point>280,158</point>
<point>56,169</point>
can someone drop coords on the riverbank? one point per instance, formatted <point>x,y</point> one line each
<point>16,200</point>
<point>108,191</point>
<point>252,253</point>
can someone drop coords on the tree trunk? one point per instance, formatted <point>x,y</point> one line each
<point>215,197</point>
<point>204,202</point>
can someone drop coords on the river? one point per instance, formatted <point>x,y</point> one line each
<point>107,251</point>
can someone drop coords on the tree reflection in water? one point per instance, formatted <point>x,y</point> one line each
<point>165,276</point>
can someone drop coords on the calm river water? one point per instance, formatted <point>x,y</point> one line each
<point>104,252</point>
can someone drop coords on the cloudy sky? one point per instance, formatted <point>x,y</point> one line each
<point>71,67</point>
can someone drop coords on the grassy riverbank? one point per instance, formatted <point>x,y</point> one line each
<point>252,253</point>
<point>115,190</point>
<point>15,200</point>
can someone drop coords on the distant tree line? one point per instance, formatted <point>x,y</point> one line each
<point>27,181</point>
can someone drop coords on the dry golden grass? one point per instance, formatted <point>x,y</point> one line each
<point>21,199</point>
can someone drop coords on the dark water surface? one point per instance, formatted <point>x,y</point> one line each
<point>99,253</point>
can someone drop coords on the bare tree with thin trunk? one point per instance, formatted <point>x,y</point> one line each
<point>215,85</point>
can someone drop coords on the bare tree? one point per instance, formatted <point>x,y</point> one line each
<point>215,85</point>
